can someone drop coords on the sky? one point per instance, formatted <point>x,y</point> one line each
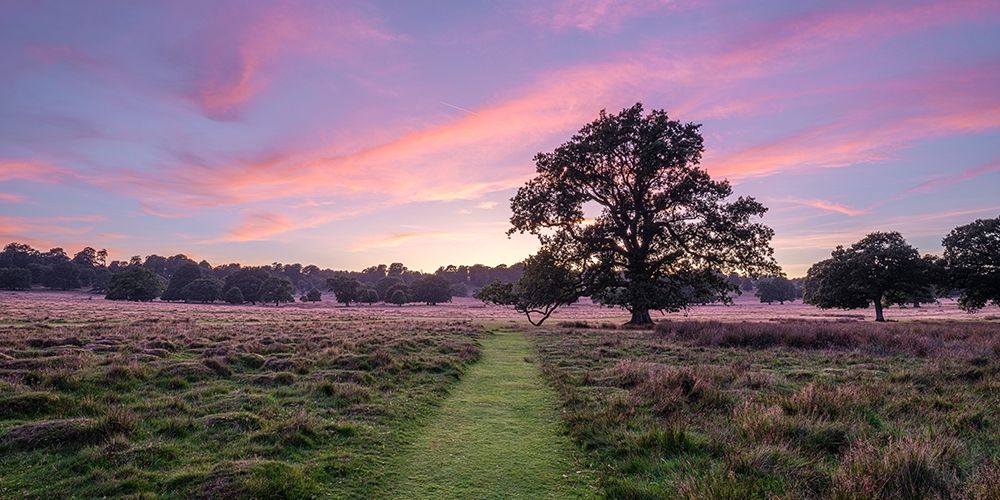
<point>347,134</point>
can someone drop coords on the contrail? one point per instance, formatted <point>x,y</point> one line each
<point>471,112</point>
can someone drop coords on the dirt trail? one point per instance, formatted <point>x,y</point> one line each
<point>497,435</point>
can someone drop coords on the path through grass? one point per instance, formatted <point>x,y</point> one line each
<point>497,435</point>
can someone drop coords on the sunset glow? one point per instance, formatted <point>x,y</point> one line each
<point>346,134</point>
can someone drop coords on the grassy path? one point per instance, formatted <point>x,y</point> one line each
<point>497,435</point>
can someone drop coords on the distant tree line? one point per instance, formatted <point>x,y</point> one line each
<point>180,278</point>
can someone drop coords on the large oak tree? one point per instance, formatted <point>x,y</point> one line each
<point>625,204</point>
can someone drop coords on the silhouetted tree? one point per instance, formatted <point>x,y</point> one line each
<point>135,283</point>
<point>276,289</point>
<point>234,296</point>
<point>15,279</point>
<point>183,277</point>
<point>880,269</point>
<point>545,286</point>
<point>62,275</point>
<point>398,297</point>
<point>972,263</point>
<point>248,280</point>
<point>204,290</point>
<point>346,289</point>
<point>778,289</point>
<point>369,296</point>
<point>432,290</point>
<point>313,295</point>
<point>383,285</point>
<point>18,255</point>
<point>660,215</point>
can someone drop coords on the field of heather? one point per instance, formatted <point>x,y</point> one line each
<point>101,398</point>
<point>141,399</point>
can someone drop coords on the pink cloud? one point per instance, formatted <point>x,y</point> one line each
<point>948,180</point>
<point>11,198</point>
<point>590,15</point>
<point>34,171</point>
<point>238,58</point>
<point>828,206</point>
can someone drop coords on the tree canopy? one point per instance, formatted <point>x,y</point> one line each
<point>777,289</point>
<point>276,289</point>
<point>432,290</point>
<point>346,289</point>
<point>878,270</point>
<point>636,218</point>
<point>972,262</point>
<point>181,278</point>
<point>135,283</point>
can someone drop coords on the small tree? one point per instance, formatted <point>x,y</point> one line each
<point>878,270</point>
<point>313,295</point>
<point>135,283</point>
<point>234,296</point>
<point>204,290</point>
<point>369,296</point>
<point>972,263</point>
<point>545,286</point>
<point>15,279</point>
<point>778,289</point>
<point>277,290</point>
<point>432,290</point>
<point>346,289</point>
<point>398,297</point>
<point>183,277</point>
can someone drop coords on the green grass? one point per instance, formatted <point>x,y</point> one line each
<point>497,435</point>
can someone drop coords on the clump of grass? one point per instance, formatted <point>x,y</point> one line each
<point>71,432</point>
<point>237,420</point>
<point>344,393</point>
<point>906,468</point>
<point>257,479</point>
<point>218,365</point>
<point>33,404</point>
<point>817,400</point>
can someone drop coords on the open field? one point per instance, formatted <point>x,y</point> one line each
<point>182,400</point>
<point>787,410</point>
<point>129,400</point>
<point>85,307</point>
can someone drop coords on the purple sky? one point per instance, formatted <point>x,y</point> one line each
<point>348,134</point>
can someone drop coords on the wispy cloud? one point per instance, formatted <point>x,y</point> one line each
<point>592,15</point>
<point>828,206</point>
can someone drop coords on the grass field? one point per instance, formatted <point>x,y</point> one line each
<point>787,410</point>
<point>175,400</point>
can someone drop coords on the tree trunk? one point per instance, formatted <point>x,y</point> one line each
<point>640,317</point>
<point>878,309</point>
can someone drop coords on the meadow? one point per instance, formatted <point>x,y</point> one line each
<point>169,400</point>
<point>203,402</point>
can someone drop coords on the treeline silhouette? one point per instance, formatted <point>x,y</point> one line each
<point>180,278</point>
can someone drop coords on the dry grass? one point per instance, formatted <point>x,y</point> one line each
<point>213,401</point>
<point>787,409</point>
